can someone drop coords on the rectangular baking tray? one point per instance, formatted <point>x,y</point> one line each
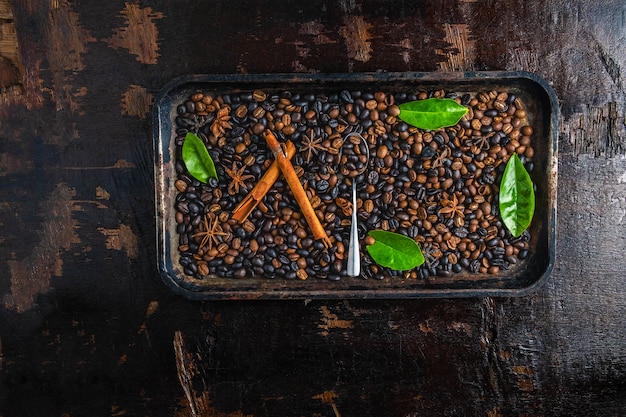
<point>542,109</point>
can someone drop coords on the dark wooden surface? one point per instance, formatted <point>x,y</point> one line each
<point>87,328</point>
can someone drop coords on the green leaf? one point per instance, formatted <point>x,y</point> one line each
<point>394,250</point>
<point>517,197</point>
<point>432,113</point>
<point>197,159</point>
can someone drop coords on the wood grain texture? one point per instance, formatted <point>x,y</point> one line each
<point>139,34</point>
<point>11,68</point>
<point>88,328</point>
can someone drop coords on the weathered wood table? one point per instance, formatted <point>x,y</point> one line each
<point>87,327</point>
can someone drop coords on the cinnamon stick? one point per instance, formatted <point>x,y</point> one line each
<point>254,197</point>
<point>296,188</point>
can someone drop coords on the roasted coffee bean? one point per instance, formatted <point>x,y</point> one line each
<point>346,96</point>
<point>240,273</point>
<point>373,177</point>
<point>259,95</point>
<point>401,186</point>
<point>428,152</point>
<point>322,185</point>
<point>393,224</point>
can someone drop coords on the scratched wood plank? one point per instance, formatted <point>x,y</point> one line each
<point>11,68</point>
<point>86,326</point>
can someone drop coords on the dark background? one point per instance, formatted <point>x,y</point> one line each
<point>87,328</point>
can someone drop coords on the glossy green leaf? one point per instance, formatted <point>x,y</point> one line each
<point>517,197</point>
<point>432,113</point>
<point>394,250</point>
<point>197,159</point>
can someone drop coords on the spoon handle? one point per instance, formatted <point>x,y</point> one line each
<point>354,263</point>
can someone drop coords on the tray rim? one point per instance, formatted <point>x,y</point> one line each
<point>164,265</point>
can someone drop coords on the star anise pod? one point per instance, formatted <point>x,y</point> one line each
<point>212,233</point>
<point>431,253</point>
<point>451,207</point>
<point>238,178</point>
<point>441,158</point>
<point>310,146</point>
<point>221,122</point>
<point>482,141</point>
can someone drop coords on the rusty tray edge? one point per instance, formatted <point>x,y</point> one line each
<point>359,290</point>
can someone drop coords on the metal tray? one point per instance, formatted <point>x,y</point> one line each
<point>542,110</point>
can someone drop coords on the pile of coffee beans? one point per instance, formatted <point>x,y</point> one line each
<point>439,188</point>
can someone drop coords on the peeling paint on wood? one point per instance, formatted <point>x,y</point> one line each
<point>522,370</point>
<point>102,194</point>
<point>67,43</point>
<point>356,32</point>
<point>316,29</point>
<point>328,397</point>
<point>6,13</point>
<point>332,321</point>
<point>460,327</point>
<point>461,55</point>
<point>140,34</point>
<point>425,327</point>
<point>11,69</point>
<point>31,276</point>
<point>136,101</point>
<point>198,402</point>
<point>153,306</point>
<point>494,412</point>
<point>122,163</point>
<point>121,239</point>
<point>405,52</point>
<point>319,34</point>
<point>75,103</point>
<point>115,411</point>
<point>192,384</point>
<point>505,355</point>
<point>525,385</point>
<point>12,94</point>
